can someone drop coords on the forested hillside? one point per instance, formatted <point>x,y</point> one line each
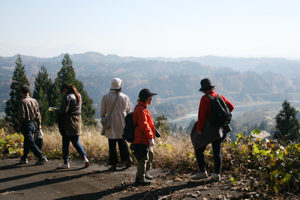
<point>175,81</point>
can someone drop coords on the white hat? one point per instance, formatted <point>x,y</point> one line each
<point>116,83</point>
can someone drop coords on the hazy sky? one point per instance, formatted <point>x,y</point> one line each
<point>256,28</point>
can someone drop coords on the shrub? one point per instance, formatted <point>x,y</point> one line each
<point>11,145</point>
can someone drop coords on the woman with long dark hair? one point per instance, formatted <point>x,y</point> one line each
<point>70,123</point>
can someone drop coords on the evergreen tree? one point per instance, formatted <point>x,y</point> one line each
<point>287,123</point>
<point>161,123</point>
<point>12,105</point>
<point>67,75</point>
<point>42,85</point>
<point>263,125</point>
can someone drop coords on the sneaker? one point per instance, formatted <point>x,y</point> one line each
<point>64,166</point>
<point>200,175</point>
<point>128,163</point>
<point>215,177</point>
<point>113,168</point>
<point>148,176</point>
<point>41,161</point>
<point>143,181</point>
<point>23,161</point>
<point>86,162</point>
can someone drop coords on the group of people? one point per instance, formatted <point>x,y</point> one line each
<point>145,131</point>
<point>68,119</point>
<point>116,105</point>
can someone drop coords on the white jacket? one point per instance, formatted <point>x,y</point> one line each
<point>117,117</point>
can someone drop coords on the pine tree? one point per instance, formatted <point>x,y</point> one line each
<point>42,85</point>
<point>12,105</point>
<point>263,125</point>
<point>287,123</point>
<point>67,75</point>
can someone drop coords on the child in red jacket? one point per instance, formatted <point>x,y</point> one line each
<point>144,137</point>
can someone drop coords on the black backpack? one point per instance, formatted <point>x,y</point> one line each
<point>219,112</point>
<point>128,131</point>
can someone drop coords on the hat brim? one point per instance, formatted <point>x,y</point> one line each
<point>115,88</point>
<point>201,89</point>
<point>151,94</point>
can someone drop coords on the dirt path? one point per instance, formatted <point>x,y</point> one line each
<point>28,181</point>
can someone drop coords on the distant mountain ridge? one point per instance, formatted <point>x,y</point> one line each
<point>277,65</point>
<point>259,65</point>
<point>170,78</point>
<point>88,57</point>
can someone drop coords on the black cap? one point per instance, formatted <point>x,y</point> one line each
<point>206,84</point>
<point>145,93</point>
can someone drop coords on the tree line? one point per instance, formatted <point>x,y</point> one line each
<point>47,93</point>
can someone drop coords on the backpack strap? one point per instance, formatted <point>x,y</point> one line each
<point>132,115</point>
<point>114,104</point>
<point>211,96</point>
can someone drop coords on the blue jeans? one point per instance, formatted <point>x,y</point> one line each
<point>27,130</point>
<point>66,139</point>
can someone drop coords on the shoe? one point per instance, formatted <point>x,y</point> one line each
<point>128,163</point>
<point>41,161</point>
<point>143,181</point>
<point>86,162</point>
<point>23,161</point>
<point>200,175</point>
<point>215,177</point>
<point>148,176</point>
<point>113,168</point>
<point>64,166</point>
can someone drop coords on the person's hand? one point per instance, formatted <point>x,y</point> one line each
<point>152,142</point>
<point>40,127</point>
<point>53,110</point>
<point>200,133</point>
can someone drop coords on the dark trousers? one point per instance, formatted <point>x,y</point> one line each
<point>66,139</point>
<point>27,130</point>
<point>124,151</point>
<point>217,149</point>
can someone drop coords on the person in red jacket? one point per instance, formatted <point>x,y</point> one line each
<point>144,136</point>
<point>204,112</point>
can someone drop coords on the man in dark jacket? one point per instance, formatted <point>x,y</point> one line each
<point>208,133</point>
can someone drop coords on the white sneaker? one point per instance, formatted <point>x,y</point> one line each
<point>23,161</point>
<point>215,177</point>
<point>64,166</point>
<point>200,175</point>
<point>86,162</point>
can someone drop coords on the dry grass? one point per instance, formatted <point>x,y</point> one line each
<point>169,152</point>
<point>94,144</point>
<point>174,153</point>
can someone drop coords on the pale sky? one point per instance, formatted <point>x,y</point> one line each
<point>173,28</point>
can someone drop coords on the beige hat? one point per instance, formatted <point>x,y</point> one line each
<point>116,83</point>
